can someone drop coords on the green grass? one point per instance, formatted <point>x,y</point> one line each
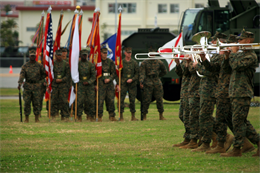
<point>108,146</point>
<point>9,92</point>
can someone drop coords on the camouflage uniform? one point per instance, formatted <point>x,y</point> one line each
<point>34,75</point>
<point>87,73</point>
<point>240,92</point>
<point>223,107</point>
<point>107,90</point>
<point>150,73</point>
<point>194,102</point>
<point>184,111</point>
<point>60,90</point>
<point>207,101</point>
<point>130,70</point>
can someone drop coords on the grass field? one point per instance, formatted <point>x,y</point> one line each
<point>108,146</point>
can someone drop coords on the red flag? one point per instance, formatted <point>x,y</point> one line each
<point>97,55</point>
<point>58,35</point>
<point>92,35</point>
<point>80,29</point>
<point>39,40</point>
<point>118,55</point>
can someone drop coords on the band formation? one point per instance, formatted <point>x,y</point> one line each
<point>227,83</point>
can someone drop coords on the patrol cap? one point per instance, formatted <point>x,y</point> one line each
<point>32,52</point>
<point>245,34</point>
<point>83,52</point>
<point>64,49</point>
<point>58,52</point>
<point>219,35</point>
<point>232,38</point>
<point>103,48</point>
<point>128,49</point>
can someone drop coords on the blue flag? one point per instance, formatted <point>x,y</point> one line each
<point>110,44</point>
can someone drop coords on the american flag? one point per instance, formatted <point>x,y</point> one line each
<point>49,54</point>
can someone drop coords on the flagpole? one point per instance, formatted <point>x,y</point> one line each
<point>119,97</point>
<point>49,107</point>
<point>71,111</point>
<point>76,102</point>
<point>97,102</point>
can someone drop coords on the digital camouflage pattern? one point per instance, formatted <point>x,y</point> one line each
<point>107,90</point>
<point>59,95</point>
<point>245,34</point>
<point>194,102</point>
<point>130,70</point>
<point>150,73</point>
<point>34,74</point>
<point>86,93</point>
<point>219,35</point>
<point>243,66</point>
<point>184,110</point>
<point>241,84</point>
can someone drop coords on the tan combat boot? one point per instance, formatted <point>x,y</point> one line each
<point>236,152</point>
<point>133,117</point>
<point>37,118</point>
<point>88,117</point>
<point>191,145</point>
<point>247,147</point>
<point>99,119</point>
<point>26,119</point>
<point>257,154</point>
<point>229,141</point>
<point>53,120</point>
<point>80,119</point>
<point>66,119</point>
<point>121,117</point>
<point>214,140</point>
<point>112,117</point>
<point>204,147</point>
<point>62,118</point>
<point>161,117</point>
<point>185,142</point>
<point>218,149</point>
<point>144,117</point>
<point>57,114</point>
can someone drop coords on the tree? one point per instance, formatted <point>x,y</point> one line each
<point>8,36</point>
<point>7,8</point>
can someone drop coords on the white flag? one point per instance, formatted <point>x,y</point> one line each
<point>178,41</point>
<point>74,60</point>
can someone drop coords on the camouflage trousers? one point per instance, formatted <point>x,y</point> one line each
<point>86,95</point>
<point>107,94</point>
<point>241,126</point>
<point>59,96</point>
<point>223,110</point>
<point>156,91</point>
<point>184,113</point>
<point>206,120</point>
<point>194,106</point>
<point>33,96</point>
<point>43,90</point>
<point>132,91</point>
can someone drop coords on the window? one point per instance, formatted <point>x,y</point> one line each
<point>33,29</point>
<point>162,8</point>
<point>126,7</point>
<point>199,5</point>
<point>174,8</point>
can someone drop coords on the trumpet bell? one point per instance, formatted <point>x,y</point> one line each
<point>198,36</point>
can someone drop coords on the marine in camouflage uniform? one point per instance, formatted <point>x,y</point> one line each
<point>241,90</point>
<point>194,106</point>
<point>129,77</point>
<point>150,73</point>
<point>106,87</point>
<point>34,75</point>
<point>86,87</point>
<point>59,95</point>
<point>43,90</point>
<point>184,112</point>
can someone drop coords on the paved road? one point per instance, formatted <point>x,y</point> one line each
<point>9,80</point>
